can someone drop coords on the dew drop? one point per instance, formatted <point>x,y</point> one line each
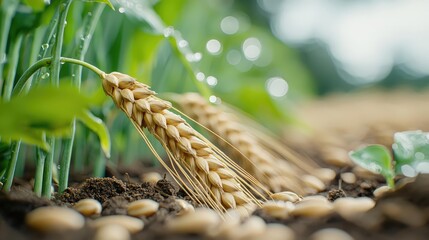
<point>423,167</point>
<point>212,99</point>
<point>121,10</point>
<point>45,46</point>
<point>183,43</point>
<point>277,86</point>
<point>212,81</point>
<point>45,75</point>
<point>197,56</point>
<point>230,25</point>
<point>168,31</point>
<point>408,171</point>
<point>213,46</point>
<point>200,76</point>
<point>65,22</point>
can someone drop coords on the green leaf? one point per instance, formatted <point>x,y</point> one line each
<point>96,125</point>
<point>411,151</point>
<point>36,5</point>
<point>107,2</point>
<point>46,109</point>
<point>375,158</point>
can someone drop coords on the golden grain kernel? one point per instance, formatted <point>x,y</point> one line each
<point>215,179</point>
<point>348,207</point>
<point>277,209</point>
<point>151,177</point>
<point>112,232</point>
<point>320,198</point>
<point>132,224</point>
<point>231,221</point>
<point>380,191</point>
<point>312,208</point>
<point>143,207</point>
<point>330,234</point>
<point>88,207</point>
<point>313,182</point>
<point>185,207</point>
<point>325,174</point>
<point>286,196</point>
<point>228,200</point>
<point>230,186</point>
<point>201,221</point>
<point>336,156</point>
<point>50,219</point>
<point>254,226</point>
<point>276,231</point>
<point>348,177</point>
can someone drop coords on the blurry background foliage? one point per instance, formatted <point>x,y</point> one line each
<point>229,45</point>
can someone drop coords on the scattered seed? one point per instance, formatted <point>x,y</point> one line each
<point>316,207</point>
<point>313,182</point>
<point>348,207</point>
<point>50,219</point>
<point>88,207</point>
<point>381,191</point>
<point>331,233</point>
<point>277,209</point>
<point>112,232</point>
<point>151,177</point>
<point>336,156</point>
<point>132,224</point>
<point>276,231</point>
<point>253,227</point>
<point>144,207</point>
<point>226,227</point>
<point>325,174</point>
<point>314,198</point>
<point>200,221</point>
<point>286,196</point>
<point>185,207</point>
<point>348,177</point>
<point>363,173</point>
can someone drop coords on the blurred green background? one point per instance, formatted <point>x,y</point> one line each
<point>260,56</point>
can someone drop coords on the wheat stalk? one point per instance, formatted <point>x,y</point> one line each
<point>213,178</point>
<point>272,170</point>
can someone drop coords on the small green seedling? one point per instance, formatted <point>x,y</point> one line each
<point>377,159</point>
<point>411,156</point>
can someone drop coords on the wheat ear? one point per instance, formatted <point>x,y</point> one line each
<point>272,170</point>
<point>214,180</point>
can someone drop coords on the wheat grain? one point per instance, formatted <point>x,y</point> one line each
<point>267,167</point>
<point>212,178</point>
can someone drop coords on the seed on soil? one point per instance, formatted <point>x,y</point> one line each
<point>348,207</point>
<point>380,191</point>
<point>314,198</point>
<point>132,224</point>
<point>185,207</point>
<point>112,232</point>
<point>88,207</point>
<point>330,234</point>
<point>144,207</point>
<point>325,174</point>
<point>363,173</point>
<point>286,196</point>
<point>277,209</point>
<point>315,207</point>
<point>253,227</point>
<point>200,221</point>
<point>313,182</point>
<point>51,219</point>
<point>403,212</point>
<point>231,221</point>
<point>276,231</point>
<point>151,177</point>
<point>336,156</point>
<point>348,177</point>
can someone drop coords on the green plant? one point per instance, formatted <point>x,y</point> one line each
<point>410,151</point>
